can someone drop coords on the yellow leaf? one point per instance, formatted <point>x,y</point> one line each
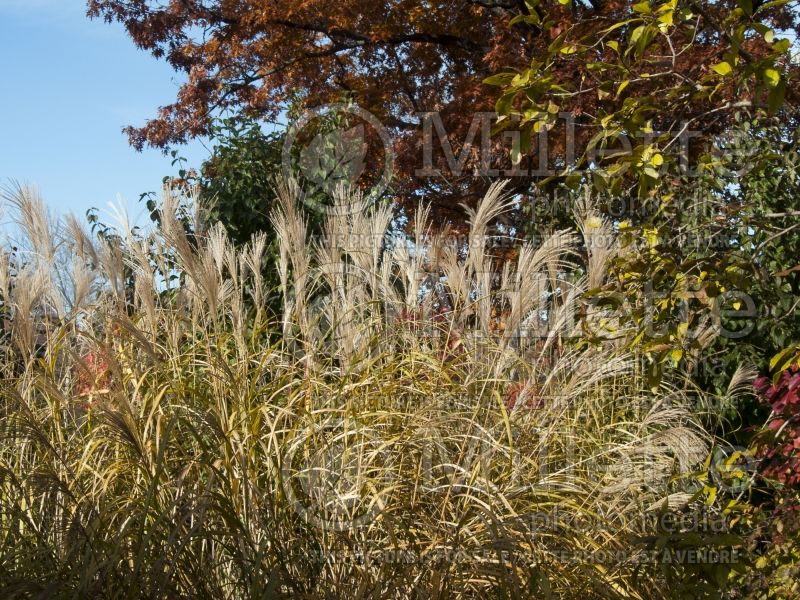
<point>676,355</point>
<point>772,77</point>
<point>783,358</point>
<point>636,34</point>
<point>723,68</point>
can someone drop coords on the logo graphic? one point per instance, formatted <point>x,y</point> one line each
<point>328,147</point>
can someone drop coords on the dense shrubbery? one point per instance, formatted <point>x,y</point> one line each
<point>320,396</point>
<point>775,536</point>
<point>155,443</point>
<point>781,452</point>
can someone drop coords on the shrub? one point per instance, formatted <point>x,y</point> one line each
<point>364,454</point>
<point>780,452</point>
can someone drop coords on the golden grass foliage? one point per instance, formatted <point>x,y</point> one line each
<point>397,439</point>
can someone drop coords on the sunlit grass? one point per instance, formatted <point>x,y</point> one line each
<point>394,441</point>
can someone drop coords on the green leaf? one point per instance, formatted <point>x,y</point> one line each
<point>531,19</point>
<point>598,181</point>
<point>768,5</point>
<point>776,96</point>
<point>503,104</point>
<point>516,155</point>
<point>618,25</point>
<point>557,43</point>
<point>573,180</point>
<point>636,34</point>
<point>521,79</point>
<point>781,46</point>
<point>500,79</point>
<point>651,172</point>
<point>644,38</point>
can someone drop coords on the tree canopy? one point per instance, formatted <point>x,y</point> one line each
<point>609,63</point>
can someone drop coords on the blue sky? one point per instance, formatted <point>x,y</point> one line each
<point>69,85</point>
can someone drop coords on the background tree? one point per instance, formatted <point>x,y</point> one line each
<point>644,71</point>
<point>717,254</point>
<point>236,187</point>
<point>651,83</point>
<point>237,181</point>
<point>403,58</point>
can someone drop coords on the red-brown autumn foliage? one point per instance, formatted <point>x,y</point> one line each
<point>780,454</point>
<point>398,59</point>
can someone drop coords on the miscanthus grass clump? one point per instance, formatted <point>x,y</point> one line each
<point>418,422</point>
